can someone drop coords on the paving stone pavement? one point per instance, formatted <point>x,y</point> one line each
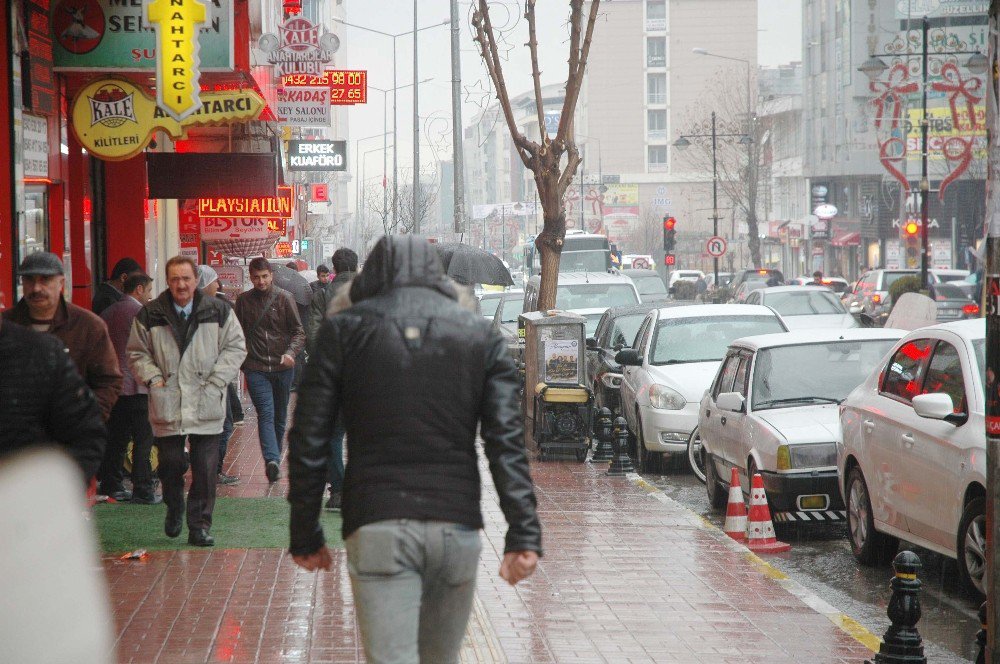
<point>625,578</point>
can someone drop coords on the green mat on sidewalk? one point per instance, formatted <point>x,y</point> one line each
<point>237,523</point>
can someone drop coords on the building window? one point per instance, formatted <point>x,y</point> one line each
<point>656,15</point>
<point>656,88</point>
<point>656,124</point>
<point>657,155</point>
<point>656,52</point>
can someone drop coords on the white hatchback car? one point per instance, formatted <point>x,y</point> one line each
<point>805,307</point>
<point>912,462</point>
<point>773,409</point>
<point>676,354</point>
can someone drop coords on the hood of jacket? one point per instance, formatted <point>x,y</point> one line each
<point>401,261</point>
<point>342,297</point>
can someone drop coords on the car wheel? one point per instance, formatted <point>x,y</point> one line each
<point>972,547</point>
<point>717,495</point>
<point>869,546</point>
<point>696,455</point>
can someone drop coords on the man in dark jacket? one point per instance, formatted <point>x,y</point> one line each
<point>84,334</point>
<point>322,278</point>
<point>274,336</point>
<point>413,374</point>
<point>44,401</point>
<point>113,290</point>
<point>345,265</point>
<point>130,417</point>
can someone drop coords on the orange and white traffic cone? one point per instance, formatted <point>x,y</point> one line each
<point>760,530</point>
<point>736,511</point>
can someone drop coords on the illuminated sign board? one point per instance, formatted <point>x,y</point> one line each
<point>317,155</point>
<point>347,86</point>
<point>257,207</point>
<point>114,119</point>
<point>300,47</point>
<point>283,249</point>
<point>177,65</point>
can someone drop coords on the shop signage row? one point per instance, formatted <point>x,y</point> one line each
<point>114,119</point>
<point>116,35</point>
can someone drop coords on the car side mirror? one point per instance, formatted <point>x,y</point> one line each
<point>938,406</point>
<point>628,357</point>
<point>591,343</point>
<point>731,401</point>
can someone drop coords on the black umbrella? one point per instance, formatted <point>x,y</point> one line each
<point>471,265</point>
<point>293,282</point>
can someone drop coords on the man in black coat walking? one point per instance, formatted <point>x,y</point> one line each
<point>413,374</point>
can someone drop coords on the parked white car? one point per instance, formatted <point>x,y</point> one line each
<point>773,409</point>
<point>805,307</point>
<point>912,462</point>
<point>676,355</point>
<point>589,294</point>
<point>685,275</point>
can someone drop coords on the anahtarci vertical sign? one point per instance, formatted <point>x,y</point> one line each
<point>176,23</point>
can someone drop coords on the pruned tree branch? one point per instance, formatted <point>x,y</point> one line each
<point>529,13</point>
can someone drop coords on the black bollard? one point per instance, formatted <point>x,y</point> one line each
<point>621,463</point>
<point>981,635</point>
<point>603,452</point>
<point>902,643</point>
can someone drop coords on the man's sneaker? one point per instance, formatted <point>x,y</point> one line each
<point>273,472</point>
<point>140,499</point>
<point>226,479</point>
<point>334,501</point>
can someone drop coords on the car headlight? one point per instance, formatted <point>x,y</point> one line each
<point>803,457</point>
<point>664,398</point>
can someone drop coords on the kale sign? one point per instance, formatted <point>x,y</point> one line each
<point>317,155</point>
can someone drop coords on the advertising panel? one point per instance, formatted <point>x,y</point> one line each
<point>303,106</point>
<point>300,47</point>
<point>222,228</point>
<point>93,35</point>
<point>917,9</point>
<point>262,207</point>
<point>317,155</point>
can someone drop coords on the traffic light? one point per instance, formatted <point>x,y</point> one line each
<point>669,234</point>
<point>669,260</point>
<point>911,243</point>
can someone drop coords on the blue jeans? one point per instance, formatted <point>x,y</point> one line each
<point>414,583</point>
<point>269,392</point>
<point>336,477</point>
<point>227,425</point>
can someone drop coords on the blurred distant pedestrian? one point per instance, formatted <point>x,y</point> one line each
<point>186,347</point>
<point>345,265</point>
<point>208,284</point>
<point>415,373</point>
<point>44,309</point>
<point>113,290</point>
<point>322,277</point>
<point>44,401</point>
<point>275,336</point>
<point>817,279</point>
<point>130,417</point>
<point>701,286</point>
<point>292,265</point>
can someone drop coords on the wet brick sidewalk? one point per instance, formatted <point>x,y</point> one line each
<point>625,578</point>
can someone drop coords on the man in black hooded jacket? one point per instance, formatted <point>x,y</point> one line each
<point>413,374</point>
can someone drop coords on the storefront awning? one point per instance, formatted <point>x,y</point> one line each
<point>852,239</point>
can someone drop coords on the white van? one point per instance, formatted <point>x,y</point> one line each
<point>589,294</point>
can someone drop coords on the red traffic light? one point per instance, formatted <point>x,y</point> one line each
<point>911,228</point>
<point>669,259</point>
<point>669,223</point>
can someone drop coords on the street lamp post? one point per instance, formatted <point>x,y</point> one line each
<point>394,37</point>
<point>357,165</point>
<point>683,143</point>
<point>873,69</point>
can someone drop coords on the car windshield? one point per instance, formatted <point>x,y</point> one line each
<point>594,296</point>
<point>489,305</point>
<point>584,261</point>
<point>832,370</point>
<point>889,278</point>
<point>590,327</point>
<point>705,338</point>
<point>624,330</point>
<point>650,284</point>
<point>943,292</point>
<point>804,303</point>
<point>951,276</point>
<point>512,308</point>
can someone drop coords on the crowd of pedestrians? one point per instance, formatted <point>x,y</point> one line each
<point>397,363</point>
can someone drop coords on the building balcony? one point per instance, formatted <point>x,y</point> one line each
<point>656,61</point>
<point>656,24</point>
<point>658,167</point>
<point>656,98</point>
<point>656,135</point>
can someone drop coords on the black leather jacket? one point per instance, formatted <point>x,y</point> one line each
<point>413,374</point>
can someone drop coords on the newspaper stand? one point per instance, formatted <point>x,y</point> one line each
<point>558,405</point>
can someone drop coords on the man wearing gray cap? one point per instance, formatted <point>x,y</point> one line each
<point>43,308</point>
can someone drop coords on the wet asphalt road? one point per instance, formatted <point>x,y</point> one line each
<point>821,561</point>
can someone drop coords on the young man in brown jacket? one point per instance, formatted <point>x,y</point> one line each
<point>275,335</point>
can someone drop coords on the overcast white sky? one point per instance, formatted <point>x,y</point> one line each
<point>778,19</point>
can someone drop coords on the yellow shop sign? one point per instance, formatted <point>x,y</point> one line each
<point>114,119</point>
<point>177,65</point>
